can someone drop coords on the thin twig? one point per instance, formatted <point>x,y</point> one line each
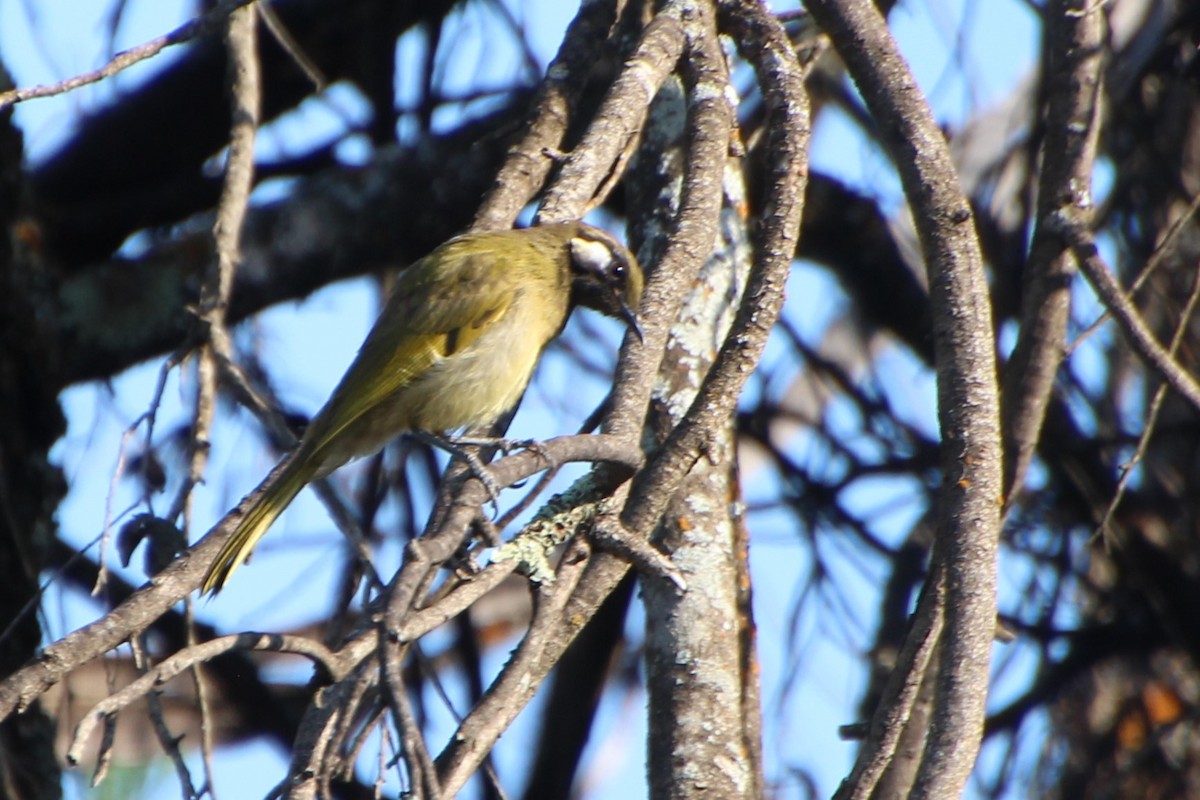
<point>382,762</point>
<point>34,602</point>
<point>168,741</point>
<point>188,656</point>
<point>118,473</point>
<point>1105,529</point>
<point>314,758</point>
<point>1136,331</point>
<point>246,94</point>
<point>421,770</point>
<point>283,36</point>
<point>105,755</point>
<point>1167,247</point>
<point>373,716</point>
<point>149,417</point>
<point>203,703</point>
<point>528,56</point>
<point>127,58</point>
<point>510,691</point>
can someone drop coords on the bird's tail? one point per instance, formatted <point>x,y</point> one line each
<point>272,496</point>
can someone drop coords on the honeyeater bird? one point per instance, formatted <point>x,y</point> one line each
<point>453,348</point>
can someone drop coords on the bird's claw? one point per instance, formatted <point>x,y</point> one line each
<point>480,471</point>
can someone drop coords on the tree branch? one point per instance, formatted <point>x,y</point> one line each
<point>186,658</point>
<point>528,161</point>
<point>1134,327</point>
<point>968,407</point>
<point>709,125</point>
<point>602,150</point>
<point>127,58</point>
<point>1073,73</point>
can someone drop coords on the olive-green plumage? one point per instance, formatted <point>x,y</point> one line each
<point>454,348</point>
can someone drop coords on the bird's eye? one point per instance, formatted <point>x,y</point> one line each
<point>619,272</point>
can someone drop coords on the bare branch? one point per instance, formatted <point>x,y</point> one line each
<point>279,30</point>
<point>1133,326</point>
<point>968,406</point>
<point>1074,70</point>
<point>168,742</point>
<point>515,685</point>
<point>602,150</point>
<point>179,579</point>
<point>188,656</point>
<point>246,97</point>
<point>698,730</point>
<point>1168,246</point>
<point>780,76</point>
<point>709,127</point>
<point>709,121</point>
<point>1105,528</point>
<point>892,715</point>
<point>421,769</point>
<point>527,165</point>
<point>127,58</point>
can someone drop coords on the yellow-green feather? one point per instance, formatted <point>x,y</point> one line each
<point>442,303</point>
<point>281,487</point>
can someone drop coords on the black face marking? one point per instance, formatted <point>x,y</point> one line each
<point>605,275</point>
<point>600,260</point>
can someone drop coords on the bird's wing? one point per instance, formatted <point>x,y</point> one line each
<point>440,305</point>
<point>451,288</point>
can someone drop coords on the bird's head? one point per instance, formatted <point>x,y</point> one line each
<point>605,275</point>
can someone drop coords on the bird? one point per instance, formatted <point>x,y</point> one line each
<point>453,348</point>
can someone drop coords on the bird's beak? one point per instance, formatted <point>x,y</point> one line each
<point>631,318</point>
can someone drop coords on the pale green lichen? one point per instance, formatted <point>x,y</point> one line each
<point>554,524</point>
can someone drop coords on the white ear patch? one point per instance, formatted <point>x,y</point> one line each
<point>590,255</point>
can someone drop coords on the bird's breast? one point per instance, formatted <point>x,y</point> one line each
<point>475,385</point>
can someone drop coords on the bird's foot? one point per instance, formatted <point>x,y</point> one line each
<point>506,446</point>
<point>457,448</point>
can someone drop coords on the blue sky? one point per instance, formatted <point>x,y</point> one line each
<point>52,39</point>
